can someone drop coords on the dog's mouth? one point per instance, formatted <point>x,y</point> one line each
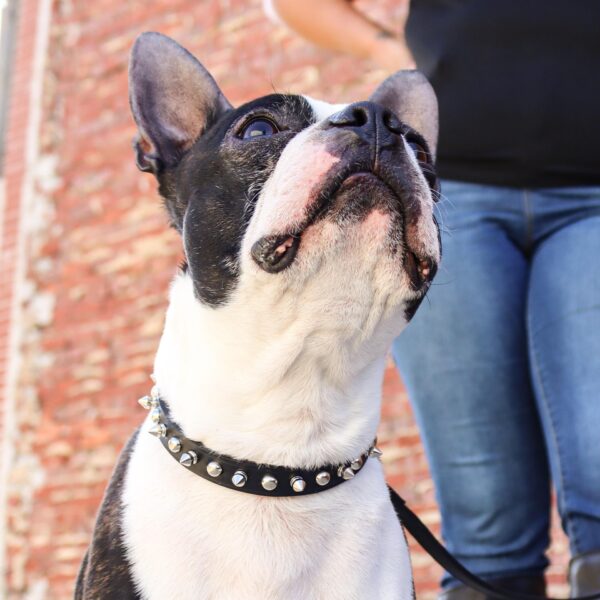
<point>347,197</point>
<point>274,253</point>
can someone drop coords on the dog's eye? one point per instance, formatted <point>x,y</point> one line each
<point>420,153</point>
<point>258,128</point>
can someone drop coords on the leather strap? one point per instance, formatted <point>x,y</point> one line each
<point>251,477</point>
<point>426,539</point>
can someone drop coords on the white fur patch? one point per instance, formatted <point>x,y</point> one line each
<point>323,109</point>
<point>304,394</point>
<point>190,539</point>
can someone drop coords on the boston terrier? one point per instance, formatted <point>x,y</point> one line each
<point>309,240</point>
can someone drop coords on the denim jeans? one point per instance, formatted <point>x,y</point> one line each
<point>502,365</point>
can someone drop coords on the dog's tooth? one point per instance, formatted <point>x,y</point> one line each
<point>323,478</point>
<point>269,483</point>
<point>154,392</point>
<point>298,484</point>
<point>214,469</point>
<point>159,430</point>
<point>189,458</point>
<point>174,444</point>
<point>239,479</point>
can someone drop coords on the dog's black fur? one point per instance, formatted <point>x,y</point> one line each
<point>105,570</point>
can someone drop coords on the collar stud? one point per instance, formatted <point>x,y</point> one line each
<point>174,444</point>
<point>159,430</point>
<point>239,479</point>
<point>346,473</point>
<point>155,415</point>
<point>269,483</point>
<point>188,458</point>
<point>356,464</point>
<point>144,402</point>
<point>375,452</point>
<point>298,484</point>
<point>214,469</point>
<point>323,478</point>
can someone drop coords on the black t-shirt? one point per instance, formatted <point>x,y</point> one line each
<point>518,83</point>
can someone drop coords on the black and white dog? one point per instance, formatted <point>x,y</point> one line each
<point>310,240</point>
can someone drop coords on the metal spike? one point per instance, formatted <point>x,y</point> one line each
<point>189,458</point>
<point>174,444</point>
<point>346,473</point>
<point>214,469</point>
<point>159,430</point>
<point>298,484</point>
<point>323,478</point>
<point>155,415</point>
<point>375,452</point>
<point>269,483</point>
<point>239,479</point>
<point>356,464</point>
<point>145,402</point>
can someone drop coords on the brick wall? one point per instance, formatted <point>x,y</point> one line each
<point>85,304</point>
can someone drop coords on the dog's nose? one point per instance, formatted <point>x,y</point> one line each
<point>368,120</point>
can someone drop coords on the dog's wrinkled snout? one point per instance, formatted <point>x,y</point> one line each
<point>367,120</point>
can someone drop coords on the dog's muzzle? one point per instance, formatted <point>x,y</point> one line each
<point>372,174</point>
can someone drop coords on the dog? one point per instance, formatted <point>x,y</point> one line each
<point>310,239</point>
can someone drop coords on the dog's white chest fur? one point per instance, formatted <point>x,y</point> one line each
<point>190,539</point>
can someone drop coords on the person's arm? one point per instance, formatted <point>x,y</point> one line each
<point>337,25</point>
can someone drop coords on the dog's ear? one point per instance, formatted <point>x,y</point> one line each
<point>173,99</point>
<point>410,96</point>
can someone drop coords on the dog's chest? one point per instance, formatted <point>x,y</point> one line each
<point>190,539</point>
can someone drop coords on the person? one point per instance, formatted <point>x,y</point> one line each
<point>502,363</point>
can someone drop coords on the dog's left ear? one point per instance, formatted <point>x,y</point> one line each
<point>173,100</point>
<point>411,98</point>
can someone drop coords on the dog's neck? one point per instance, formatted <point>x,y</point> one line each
<point>264,389</point>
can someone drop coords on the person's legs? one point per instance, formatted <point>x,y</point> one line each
<point>564,336</point>
<point>464,361</point>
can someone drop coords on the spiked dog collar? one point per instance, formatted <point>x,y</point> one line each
<point>242,475</point>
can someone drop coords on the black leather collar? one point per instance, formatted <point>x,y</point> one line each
<point>242,475</point>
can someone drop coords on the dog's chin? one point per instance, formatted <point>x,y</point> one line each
<point>358,198</point>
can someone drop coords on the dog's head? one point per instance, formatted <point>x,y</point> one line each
<point>290,205</point>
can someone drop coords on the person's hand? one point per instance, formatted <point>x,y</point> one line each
<point>391,54</point>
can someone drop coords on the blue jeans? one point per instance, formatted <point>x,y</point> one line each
<point>502,365</point>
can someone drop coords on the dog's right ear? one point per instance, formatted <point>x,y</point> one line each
<point>173,99</point>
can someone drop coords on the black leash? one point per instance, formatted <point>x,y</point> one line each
<point>426,539</point>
